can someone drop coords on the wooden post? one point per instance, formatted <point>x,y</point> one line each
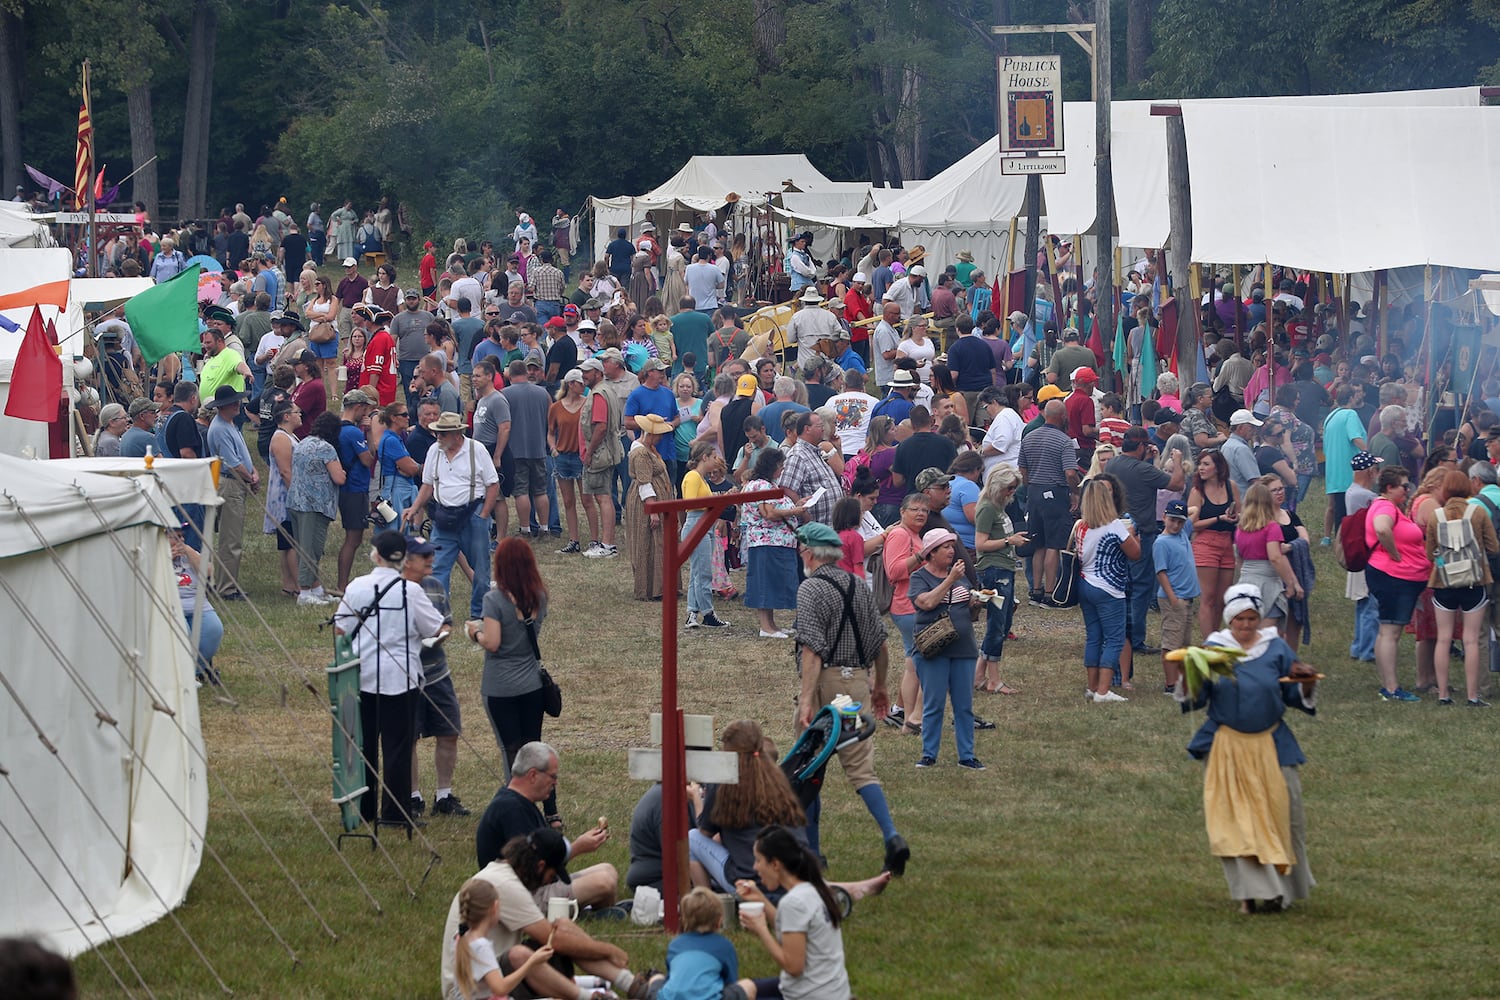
<point>1104,203</point>
<point>1184,273</point>
<point>1381,318</point>
<point>1033,234</point>
<point>1010,247</point>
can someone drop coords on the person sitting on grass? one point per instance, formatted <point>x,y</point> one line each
<point>476,970</point>
<point>701,962</point>
<point>807,943</point>
<point>527,865</point>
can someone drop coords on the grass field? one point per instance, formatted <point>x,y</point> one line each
<point>1076,866</point>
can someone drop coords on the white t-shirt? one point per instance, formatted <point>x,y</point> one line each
<point>518,910</point>
<point>1104,562</point>
<point>481,963</point>
<point>1004,435</point>
<point>851,419</point>
<point>269,342</point>
<point>823,976</point>
<point>922,354</point>
<point>704,283</point>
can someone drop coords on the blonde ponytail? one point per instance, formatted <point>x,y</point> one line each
<point>474,902</point>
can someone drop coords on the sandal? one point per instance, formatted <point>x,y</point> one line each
<point>915,728</point>
<point>1004,688</point>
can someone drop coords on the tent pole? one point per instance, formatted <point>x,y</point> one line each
<point>1379,318</point>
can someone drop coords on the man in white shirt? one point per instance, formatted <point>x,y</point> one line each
<point>883,344</point>
<point>467,287</point>
<point>851,414</point>
<point>459,477</point>
<point>386,618</point>
<point>810,323</point>
<point>1002,441</point>
<point>908,292</point>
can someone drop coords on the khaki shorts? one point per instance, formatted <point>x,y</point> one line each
<point>598,483</point>
<point>466,392</point>
<point>1177,624</point>
<point>857,760</point>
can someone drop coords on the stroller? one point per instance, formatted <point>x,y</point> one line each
<point>806,762</point>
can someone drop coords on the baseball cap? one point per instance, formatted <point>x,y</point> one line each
<point>919,271</point>
<point>611,354</point>
<point>357,397</point>
<point>419,547</point>
<point>350,262</point>
<point>556,323</point>
<point>411,293</point>
<point>391,545</point>
<point>570,310</point>
<point>859,277</point>
<point>653,365</point>
<point>552,849</point>
<point>1167,416</point>
<point>591,365</point>
<point>746,385</point>
<point>140,406</point>
<point>928,478</point>
<point>1364,460</point>
<point>1049,392</point>
<point>1083,373</point>
<point>1176,508</point>
<point>1243,417</point>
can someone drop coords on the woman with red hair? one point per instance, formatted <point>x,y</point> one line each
<point>514,608</point>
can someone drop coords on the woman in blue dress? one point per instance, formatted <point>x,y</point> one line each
<point>1252,793</point>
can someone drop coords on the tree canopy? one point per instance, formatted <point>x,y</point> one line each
<point>469,109</point>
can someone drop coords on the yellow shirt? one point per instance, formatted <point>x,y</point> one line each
<point>694,487</point>
<point>220,370</point>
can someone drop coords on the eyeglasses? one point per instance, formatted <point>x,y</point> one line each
<point>492,314</point>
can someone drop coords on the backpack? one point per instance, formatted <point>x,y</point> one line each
<point>1353,553</point>
<point>1495,520</point>
<point>1459,560</point>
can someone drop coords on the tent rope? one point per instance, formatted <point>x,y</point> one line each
<point>170,614</point>
<point>131,657</point>
<point>98,917</point>
<point>124,848</point>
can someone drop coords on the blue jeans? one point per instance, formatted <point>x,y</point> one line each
<point>1103,625</point>
<point>408,371</point>
<point>713,856</point>
<point>1304,480</point>
<point>546,310</point>
<point>210,635</point>
<point>1366,627</point>
<point>473,540</point>
<point>1142,590</point>
<point>906,625</point>
<point>997,623</point>
<point>945,677</point>
<point>700,594</point>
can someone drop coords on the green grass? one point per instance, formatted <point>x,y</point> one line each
<point>1077,865</point>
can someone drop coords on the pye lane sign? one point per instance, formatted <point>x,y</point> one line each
<point>1031,102</point>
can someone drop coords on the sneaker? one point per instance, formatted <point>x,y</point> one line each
<point>712,620</point>
<point>897,854</point>
<point>1400,694</point>
<point>1110,696</point>
<point>972,763</point>
<point>572,548</point>
<point>610,551</point>
<point>1446,702</point>
<point>1477,703</point>
<point>417,807</point>
<point>692,620</point>
<point>1088,694</point>
<point>1148,650</point>
<point>982,724</point>
<point>926,762</point>
<point>449,805</point>
<point>307,599</point>
<point>1325,541</point>
<point>594,551</point>
<point>1037,599</point>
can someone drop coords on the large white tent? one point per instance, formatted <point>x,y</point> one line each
<point>19,228</point>
<point>703,184</point>
<point>103,834</point>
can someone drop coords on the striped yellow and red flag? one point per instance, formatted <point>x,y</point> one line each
<point>84,163</point>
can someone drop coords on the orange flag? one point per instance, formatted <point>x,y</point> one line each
<point>49,293</point>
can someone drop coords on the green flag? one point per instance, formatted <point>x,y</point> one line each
<point>165,318</point>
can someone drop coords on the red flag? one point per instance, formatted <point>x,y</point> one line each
<point>36,379</point>
<point>99,186</point>
<point>52,333</point>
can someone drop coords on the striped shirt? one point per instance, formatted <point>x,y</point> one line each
<point>1047,456</point>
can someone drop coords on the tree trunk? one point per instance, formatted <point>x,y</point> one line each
<point>1138,40</point>
<point>769,33</point>
<point>191,194</point>
<point>873,159</point>
<point>143,147</point>
<point>12,78</point>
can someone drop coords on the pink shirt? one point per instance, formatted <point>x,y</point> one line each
<point>1411,544</point>
<point>1253,544</point>
<point>854,552</point>
<point>899,545</point>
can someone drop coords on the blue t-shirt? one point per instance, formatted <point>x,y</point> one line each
<point>392,450</point>
<point>352,444</point>
<point>468,331</point>
<point>488,349</point>
<point>852,360</point>
<point>771,415</point>
<point>1173,554</point>
<point>699,966</point>
<point>964,492</point>
<point>662,402</point>
<point>1339,432</point>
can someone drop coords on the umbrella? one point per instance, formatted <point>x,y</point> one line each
<point>210,288</point>
<point>206,262</point>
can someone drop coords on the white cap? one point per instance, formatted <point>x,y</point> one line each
<point>859,276</point>
<point>350,262</point>
<point>1243,417</point>
<point>919,271</point>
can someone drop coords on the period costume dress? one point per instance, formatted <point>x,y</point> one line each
<point>1252,793</point>
<point>648,473</point>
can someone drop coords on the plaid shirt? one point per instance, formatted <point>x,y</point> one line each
<point>820,619</point>
<point>546,283</point>
<point>804,472</point>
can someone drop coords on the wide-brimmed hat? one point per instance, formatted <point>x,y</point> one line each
<point>932,539</point>
<point>289,318</point>
<point>965,256</point>
<point>810,296</point>
<point>586,324</point>
<point>448,422</point>
<point>903,379</point>
<point>364,309</point>
<point>915,254</point>
<point>224,395</point>
<point>650,423</point>
<point>685,228</point>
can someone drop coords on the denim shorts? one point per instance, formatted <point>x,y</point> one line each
<point>569,465</point>
<point>1395,598</point>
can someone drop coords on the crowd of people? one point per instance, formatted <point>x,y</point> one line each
<point>934,455</point>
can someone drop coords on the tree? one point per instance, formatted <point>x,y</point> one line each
<point>203,36</point>
<point>12,80</point>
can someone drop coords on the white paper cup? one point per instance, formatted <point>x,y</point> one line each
<point>754,909</point>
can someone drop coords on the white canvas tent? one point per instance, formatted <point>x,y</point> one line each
<point>19,270</point>
<point>702,185</point>
<point>103,836</point>
<point>19,228</point>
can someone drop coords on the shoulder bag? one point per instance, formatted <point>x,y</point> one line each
<point>551,694</point>
<point>937,635</point>
<point>1069,570</point>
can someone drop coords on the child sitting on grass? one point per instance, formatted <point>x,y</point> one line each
<point>476,970</point>
<point>701,962</point>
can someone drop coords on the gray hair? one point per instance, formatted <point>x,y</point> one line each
<point>1167,384</point>
<point>825,553</point>
<point>723,384</point>
<point>1392,418</point>
<point>1484,472</point>
<point>784,385</point>
<point>534,756</point>
<point>1002,477</point>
